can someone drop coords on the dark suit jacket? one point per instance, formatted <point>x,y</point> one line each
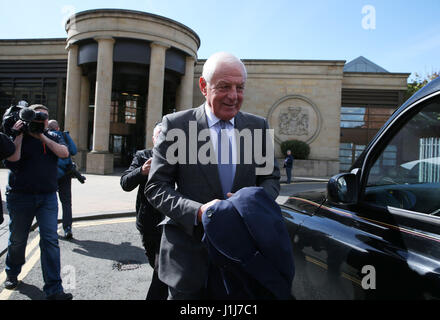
<point>249,247</point>
<point>179,190</point>
<point>147,217</point>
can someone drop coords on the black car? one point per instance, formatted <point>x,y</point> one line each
<point>375,233</point>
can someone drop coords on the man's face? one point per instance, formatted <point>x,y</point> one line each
<point>224,95</point>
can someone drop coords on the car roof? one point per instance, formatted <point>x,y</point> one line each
<point>430,88</point>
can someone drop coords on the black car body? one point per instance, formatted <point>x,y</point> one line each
<point>375,233</point>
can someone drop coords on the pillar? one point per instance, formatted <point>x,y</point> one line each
<point>99,160</point>
<point>73,88</point>
<point>81,157</point>
<point>155,90</point>
<point>184,97</point>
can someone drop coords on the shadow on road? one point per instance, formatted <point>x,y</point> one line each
<point>31,291</point>
<point>115,252</point>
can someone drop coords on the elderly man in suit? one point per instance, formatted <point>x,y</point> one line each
<point>185,188</point>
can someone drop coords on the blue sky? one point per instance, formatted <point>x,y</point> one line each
<point>399,35</point>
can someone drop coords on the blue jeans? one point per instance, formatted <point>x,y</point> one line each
<point>22,210</point>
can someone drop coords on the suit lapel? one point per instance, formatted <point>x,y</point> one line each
<point>209,170</point>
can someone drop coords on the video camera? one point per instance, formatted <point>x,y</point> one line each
<point>33,122</point>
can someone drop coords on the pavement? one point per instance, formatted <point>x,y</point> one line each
<point>101,196</point>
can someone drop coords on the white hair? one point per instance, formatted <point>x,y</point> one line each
<point>213,61</point>
<point>157,128</point>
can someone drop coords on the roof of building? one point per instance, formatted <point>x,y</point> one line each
<point>362,64</point>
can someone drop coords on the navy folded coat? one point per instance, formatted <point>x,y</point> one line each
<point>249,248</point>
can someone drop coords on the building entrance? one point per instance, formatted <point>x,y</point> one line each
<point>127,126</point>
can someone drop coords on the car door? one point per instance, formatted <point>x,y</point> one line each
<point>384,243</point>
<point>400,193</point>
<point>331,254</point>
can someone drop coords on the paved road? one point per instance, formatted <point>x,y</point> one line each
<point>105,260</point>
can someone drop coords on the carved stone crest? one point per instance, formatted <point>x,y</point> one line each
<point>295,117</point>
<point>294,122</point>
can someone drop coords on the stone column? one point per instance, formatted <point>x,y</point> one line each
<point>100,161</point>
<point>81,157</point>
<point>73,84</point>
<point>184,97</point>
<point>155,90</point>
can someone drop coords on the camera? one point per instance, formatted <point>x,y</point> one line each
<point>74,173</point>
<point>11,116</point>
<point>33,122</point>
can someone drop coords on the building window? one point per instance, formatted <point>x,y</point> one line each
<point>124,109</point>
<point>34,91</point>
<point>364,117</point>
<point>363,113</point>
<point>348,152</point>
<point>352,117</point>
<point>358,127</point>
<point>429,155</point>
<point>114,111</point>
<point>130,111</point>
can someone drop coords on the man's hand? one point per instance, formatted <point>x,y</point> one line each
<point>205,207</point>
<point>17,128</point>
<point>38,136</point>
<point>17,141</point>
<point>146,167</point>
<point>60,150</point>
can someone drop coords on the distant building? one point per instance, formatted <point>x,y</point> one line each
<point>119,71</point>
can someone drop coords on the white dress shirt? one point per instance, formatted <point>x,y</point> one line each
<point>212,125</point>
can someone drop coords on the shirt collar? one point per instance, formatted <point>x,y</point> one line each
<point>212,119</point>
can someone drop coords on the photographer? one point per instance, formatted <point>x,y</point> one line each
<point>65,171</point>
<point>31,192</point>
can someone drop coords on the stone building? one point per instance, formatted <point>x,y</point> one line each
<point>119,71</point>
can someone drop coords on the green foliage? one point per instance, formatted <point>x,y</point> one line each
<point>300,149</point>
<point>419,82</point>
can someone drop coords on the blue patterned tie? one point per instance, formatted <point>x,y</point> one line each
<point>225,170</point>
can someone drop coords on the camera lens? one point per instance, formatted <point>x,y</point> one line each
<point>40,116</point>
<point>27,115</point>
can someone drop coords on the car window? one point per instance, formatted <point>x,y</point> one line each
<point>407,173</point>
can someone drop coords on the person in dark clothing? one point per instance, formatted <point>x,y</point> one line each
<point>288,164</point>
<point>64,178</point>
<point>31,193</point>
<point>7,149</point>
<point>147,217</point>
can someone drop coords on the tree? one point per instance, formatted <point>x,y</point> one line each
<point>419,82</point>
<point>300,149</point>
